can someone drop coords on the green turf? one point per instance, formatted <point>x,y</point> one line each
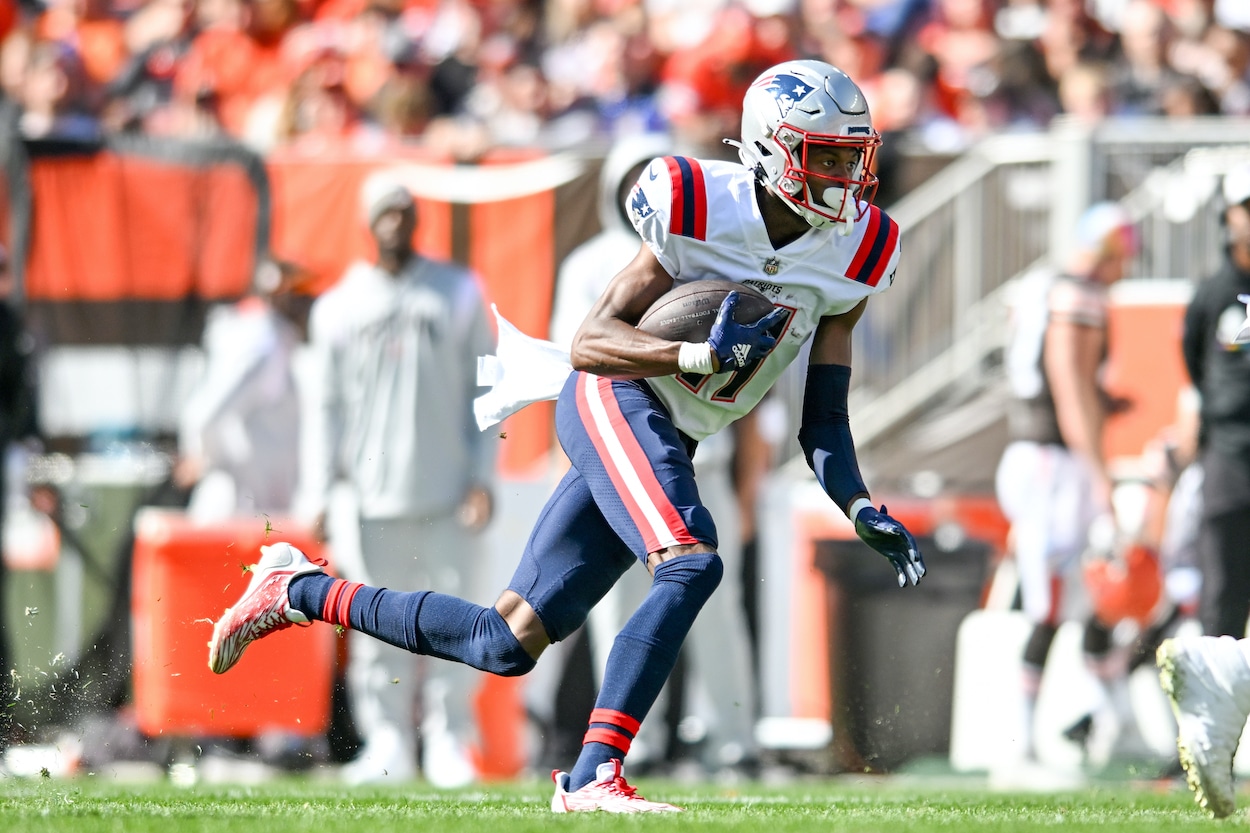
<point>89,804</point>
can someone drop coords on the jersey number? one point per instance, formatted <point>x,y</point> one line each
<point>729,391</point>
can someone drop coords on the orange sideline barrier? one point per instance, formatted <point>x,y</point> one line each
<point>184,577</point>
<point>316,214</point>
<point>109,227</point>
<point>501,721</point>
<point>512,246</point>
<point>1145,367</point>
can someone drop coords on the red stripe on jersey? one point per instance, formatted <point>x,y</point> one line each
<point>700,201</point>
<point>865,243</point>
<point>688,205</point>
<point>891,240</point>
<point>677,199</point>
<point>615,718</point>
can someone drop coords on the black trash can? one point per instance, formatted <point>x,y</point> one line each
<point>893,650</point>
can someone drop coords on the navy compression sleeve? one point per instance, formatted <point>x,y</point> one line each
<point>825,434</point>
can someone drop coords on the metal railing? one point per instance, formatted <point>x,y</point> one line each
<point>1007,205</point>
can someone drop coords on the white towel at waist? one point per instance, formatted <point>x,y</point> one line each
<point>523,370</point>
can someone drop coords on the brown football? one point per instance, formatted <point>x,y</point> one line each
<point>687,311</point>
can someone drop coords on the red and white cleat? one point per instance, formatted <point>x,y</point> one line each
<point>263,608</point>
<point>609,793</point>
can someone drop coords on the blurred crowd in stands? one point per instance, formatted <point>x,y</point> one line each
<point>465,76</point>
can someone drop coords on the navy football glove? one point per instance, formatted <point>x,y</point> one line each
<point>890,538</point>
<point>736,345</point>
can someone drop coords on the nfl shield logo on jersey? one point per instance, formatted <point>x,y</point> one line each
<point>771,266</point>
<point>786,90</point>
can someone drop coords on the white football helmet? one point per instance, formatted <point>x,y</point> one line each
<point>788,110</point>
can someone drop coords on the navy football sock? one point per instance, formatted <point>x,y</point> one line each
<point>643,656</point>
<point>423,622</point>
<point>307,593</point>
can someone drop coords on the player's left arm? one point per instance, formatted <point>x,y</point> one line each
<point>825,436</point>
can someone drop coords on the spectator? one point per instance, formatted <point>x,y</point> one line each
<point>609,74</point>
<point>1070,36</point>
<point>54,96</point>
<point>451,46</point>
<point>702,86</point>
<point>1219,367</point>
<point>558,75</point>
<point>398,340</point>
<point>1227,73</point>
<point>511,101</point>
<point>403,105</point>
<point>1085,93</point>
<point>236,59</point>
<point>962,45</point>
<point>158,36</point>
<point>1141,73</point>
<point>318,115</point>
<point>1184,96</point>
<point>94,32</point>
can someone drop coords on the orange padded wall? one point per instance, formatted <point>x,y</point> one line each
<point>184,577</point>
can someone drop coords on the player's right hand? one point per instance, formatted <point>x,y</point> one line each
<point>736,345</point>
<point>890,538</point>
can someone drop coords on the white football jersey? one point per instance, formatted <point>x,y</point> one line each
<point>701,220</point>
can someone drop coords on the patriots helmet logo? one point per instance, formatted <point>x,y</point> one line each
<point>787,90</point>
<point>639,208</point>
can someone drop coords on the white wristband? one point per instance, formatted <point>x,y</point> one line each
<point>695,358</point>
<point>857,505</point>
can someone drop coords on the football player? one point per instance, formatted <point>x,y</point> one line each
<point>1052,480</point>
<point>795,220</point>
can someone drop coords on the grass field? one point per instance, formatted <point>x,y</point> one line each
<point>870,804</point>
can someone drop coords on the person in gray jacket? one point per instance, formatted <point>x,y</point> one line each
<point>397,342</point>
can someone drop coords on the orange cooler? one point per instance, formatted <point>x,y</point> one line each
<point>184,576</point>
